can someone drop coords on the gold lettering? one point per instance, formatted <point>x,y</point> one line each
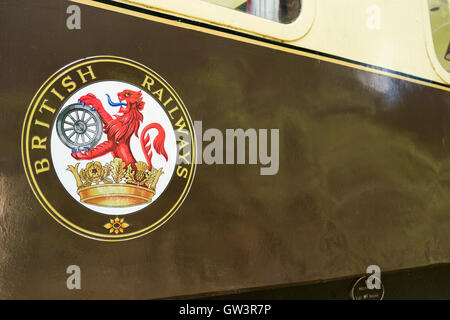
<point>181,125</point>
<point>182,144</point>
<point>171,111</point>
<point>38,143</point>
<point>68,83</point>
<point>159,94</point>
<point>40,123</point>
<point>56,93</point>
<point>147,84</point>
<point>41,166</point>
<point>89,72</point>
<point>167,101</point>
<point>183,172</point>
<point>46,107</point>
<point>184,157</point>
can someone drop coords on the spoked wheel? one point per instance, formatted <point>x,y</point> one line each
<point>78,127</point>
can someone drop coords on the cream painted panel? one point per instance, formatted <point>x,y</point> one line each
<point>399,41</point>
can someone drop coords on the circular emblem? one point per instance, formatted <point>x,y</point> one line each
<point>108,148</point>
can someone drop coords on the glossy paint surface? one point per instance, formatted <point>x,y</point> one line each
<point>364,172</point>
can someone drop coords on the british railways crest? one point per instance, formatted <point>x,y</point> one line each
<point>108,148</point>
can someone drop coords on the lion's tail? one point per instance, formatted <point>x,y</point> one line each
<point>158,142</point>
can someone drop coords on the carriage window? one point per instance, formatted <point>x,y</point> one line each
<point>283,11</point>
<point>440,29</point>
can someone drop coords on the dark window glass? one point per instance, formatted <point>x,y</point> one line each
<point>283,11</point>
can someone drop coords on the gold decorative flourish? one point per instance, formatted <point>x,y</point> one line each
<point>116,225</point>
<point>156,173</point>
<point>117,169</point>
<point>75,173</point>
<point>95,173</point>
<point>142,176</point>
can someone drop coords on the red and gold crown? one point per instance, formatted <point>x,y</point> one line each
<point>115,184</point>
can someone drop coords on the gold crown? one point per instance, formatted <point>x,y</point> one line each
<point>115,184</point>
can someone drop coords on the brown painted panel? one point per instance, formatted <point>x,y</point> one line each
<point>364,173</point>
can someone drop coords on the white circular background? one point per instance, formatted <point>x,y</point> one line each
<point>152,112</point>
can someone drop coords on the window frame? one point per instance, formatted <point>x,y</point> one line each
<point>432,55</point>
<point>211,13</point>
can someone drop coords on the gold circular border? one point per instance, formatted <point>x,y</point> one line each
<point>29,171</point>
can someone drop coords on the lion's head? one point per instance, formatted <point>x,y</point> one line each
<point>133,100</point>
<point>128,122</point>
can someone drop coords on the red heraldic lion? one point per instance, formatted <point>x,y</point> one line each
<point>121,128</point>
